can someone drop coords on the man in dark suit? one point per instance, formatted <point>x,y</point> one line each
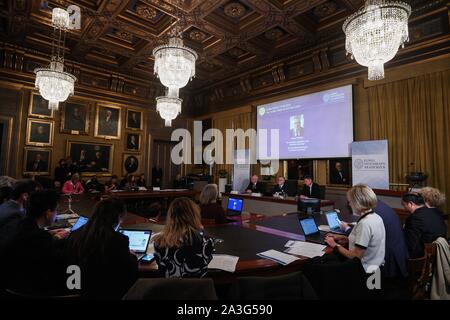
<point>33,246</point>
<point>423,225</point>
<point>396,252</point>
<point>37,165</point>
<point>338,176</point>
<point>298,129</point>
<point>108,124</point>
<point>281,187</point>
<point>134,121</point>
<point>310,189</point>
<point>99,163</point>
<point>12,212</point>
<point>40,133</point>
<point>131,164</point>
<point>132,142</point>
<point>76,120</point>
<point>254,186</point>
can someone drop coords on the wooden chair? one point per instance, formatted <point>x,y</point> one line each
<point>421,273</point>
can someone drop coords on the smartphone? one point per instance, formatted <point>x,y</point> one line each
<point>148,258</point>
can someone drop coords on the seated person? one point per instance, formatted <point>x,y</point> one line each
<point>177,182</point>
<point>61,174</point>
<point>281,187</point>
<point>93,185</point>
<point>34,260</point>
<point>113,184</point>
<point>108,267</point>
<point>13,211</point>
<point>396,252</point>
<point>254,186</point>
<point>310,189</point>
<point>73,186</point>
<point>367,239</point>
<point>141,182</point>
<point>183,236</point>
<point>434,198</point>
<point>210,209</point>
<point>128,183</point>
<point>423,225</point>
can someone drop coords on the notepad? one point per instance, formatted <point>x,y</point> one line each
<point>277,256</point>
<point>223,262</point>
<point>305,249</point>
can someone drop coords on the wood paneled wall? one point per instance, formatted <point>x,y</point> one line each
<point>361,114</point>
<point>14,103</point>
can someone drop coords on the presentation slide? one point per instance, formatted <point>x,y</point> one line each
<point>318,125</point>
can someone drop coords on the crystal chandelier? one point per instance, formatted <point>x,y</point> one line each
<point>168,108</point>
<point>175,67</point>
<point>375,33</point>
<point>53,83</point>
<point>174,64</point>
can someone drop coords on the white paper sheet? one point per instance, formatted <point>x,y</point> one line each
<point>305,249</point>
<point>223,262</point>
<point>304,244</point>
<point>277,256</point>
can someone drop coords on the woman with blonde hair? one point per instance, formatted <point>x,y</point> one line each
<point>433,197</point>
<point>210,209</point>
<point>367,239</point>
<point>182,250</point>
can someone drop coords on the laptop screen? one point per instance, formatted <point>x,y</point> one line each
<point>234,204</point>
<point>309,226</point>
<point>333,220</point>
<point>138,239</point>
<point>80,222</point>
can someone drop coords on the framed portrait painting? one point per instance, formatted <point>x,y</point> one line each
<point>40,132</point>
<point>134,119</point>
<point>339,172</point>
<point>39,107</point>
<point>75,118</point>
<point>133,141</point>
<point>37,161</point>
<point>131,164</point>
<point>107,122</point>
<point>91,157</point>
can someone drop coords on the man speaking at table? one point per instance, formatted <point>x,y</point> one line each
<point>310,189</point>
<point>254,186</point>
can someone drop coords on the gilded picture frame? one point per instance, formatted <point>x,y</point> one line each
<point>75,118</point>
<point>108,122</point>
<point>40,132</point>
<point>37,161</point>
<point>38,107</point>
<point>132,122</point>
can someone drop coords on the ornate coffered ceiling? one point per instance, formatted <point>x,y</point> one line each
<point>233,38</point>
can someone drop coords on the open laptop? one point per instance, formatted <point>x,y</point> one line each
<point>334,223</point>
<point>311,231</point>
<point>234,206</point>
<point>81,221</point>
<point>138,240</point>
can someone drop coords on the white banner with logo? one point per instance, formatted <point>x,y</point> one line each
<point>241,169</point>
<point>370,163</point>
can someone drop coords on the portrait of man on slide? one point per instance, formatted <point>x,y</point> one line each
<point>297,125</point>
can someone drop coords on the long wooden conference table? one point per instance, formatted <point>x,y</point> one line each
<point>270,206</point>
<point>245,237</point>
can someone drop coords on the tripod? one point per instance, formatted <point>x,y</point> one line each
<point>69,207</point>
